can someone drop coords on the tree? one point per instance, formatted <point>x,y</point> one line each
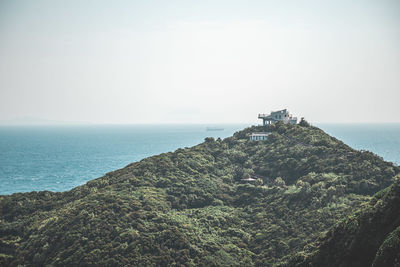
<point>304,123</point>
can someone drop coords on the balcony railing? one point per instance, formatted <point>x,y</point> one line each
<point>263,115</point>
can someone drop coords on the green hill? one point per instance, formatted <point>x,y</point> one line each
<point>369,237</point>
<point>191,207</point>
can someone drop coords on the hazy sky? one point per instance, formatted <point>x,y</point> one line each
<point>199,61</point>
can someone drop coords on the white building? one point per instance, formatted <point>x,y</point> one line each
<point>259,136</point>
<point>249,179</point>
<point>275,116</point>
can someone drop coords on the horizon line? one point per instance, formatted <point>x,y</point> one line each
<point>168,123</point>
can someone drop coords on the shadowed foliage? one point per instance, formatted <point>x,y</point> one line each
<point>368,237</point>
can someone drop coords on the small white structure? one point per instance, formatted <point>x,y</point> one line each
<point>259,136</point>
<point>275,116</point>
<point>248,179</point>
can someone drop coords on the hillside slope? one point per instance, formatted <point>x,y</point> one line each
<point>369,237</point>
<point>191,207</point>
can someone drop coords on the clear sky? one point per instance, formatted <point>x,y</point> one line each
<point>199,61</point>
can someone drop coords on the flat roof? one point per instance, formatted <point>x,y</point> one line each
<point>260,134</point>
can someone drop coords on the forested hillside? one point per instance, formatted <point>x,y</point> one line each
<point>191,208</point>
<point>369,237</point>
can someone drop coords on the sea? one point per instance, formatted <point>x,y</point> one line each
<point>59,158</point>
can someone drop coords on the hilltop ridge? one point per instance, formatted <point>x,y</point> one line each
<point>190,207</point>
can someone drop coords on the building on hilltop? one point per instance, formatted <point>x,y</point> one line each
<point>275,116</point>
<point>259,136</point>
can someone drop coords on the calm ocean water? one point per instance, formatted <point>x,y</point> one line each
<point>59,158</point>
<point>381,138</point>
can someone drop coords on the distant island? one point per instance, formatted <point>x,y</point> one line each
<point>214,129</point>
<point>295,197</point>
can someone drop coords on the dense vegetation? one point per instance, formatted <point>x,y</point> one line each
<point>191,206</point>
<point>369,237</point>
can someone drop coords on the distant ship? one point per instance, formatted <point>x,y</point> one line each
<point>214,129</point>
